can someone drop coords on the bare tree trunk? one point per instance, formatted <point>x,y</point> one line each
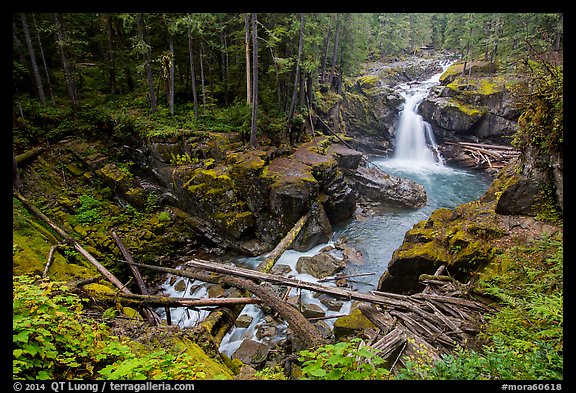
<point>68,75</point>
<point>224,61</point>
<point>247,48</point>
<point>35,70</point>
<point>147,61</point>
<point>135,272</point>
<point>325,56</point>
<point>192,74</point>
<point>171,68</point>
<point>43,60</point>
<point>202,76</point>
<point>15,174</point>
<point>334,52</point>
<point>111,60</point>
<point>296,74</point>
<point>253,128</point>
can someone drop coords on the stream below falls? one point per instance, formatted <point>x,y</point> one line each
<point>375,236</point>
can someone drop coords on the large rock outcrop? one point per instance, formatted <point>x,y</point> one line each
<point>475,107</point>
<point>248,199</point>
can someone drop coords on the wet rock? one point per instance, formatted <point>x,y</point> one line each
<point>352,324</point>
<point>330,303</point>
<point>280,269</point>
<point>312,310</point>
<point>345,157</point>
<point>251,352</point>
<point>243,321</point>
<point>388,190</point>
<point>320,265</point>
<point>316,231</point>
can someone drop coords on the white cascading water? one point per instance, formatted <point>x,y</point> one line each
<point>415,143</point>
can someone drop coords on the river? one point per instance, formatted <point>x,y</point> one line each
<point>376,236</point>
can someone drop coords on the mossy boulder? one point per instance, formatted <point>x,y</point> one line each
<point>454,238</point>
<point>472,68</point>
<point>352,324</point>
<point>451,114</point>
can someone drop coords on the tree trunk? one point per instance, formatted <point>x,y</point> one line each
<point>296,75</point>
<point>202,77</point>
<point>35,70</point>
<point>247,49</point>
<point>171,69</point>
<point>111,59</point>
<point>147,61</point>
<point>334,52</point>
<point>192,74</point>
<point>224,61</point>
<point>253,128</point>
<point>325,56</point>
<point>43,60</point>
<point>68,74</point>
<point>137,276</point>
<point>15,174</point>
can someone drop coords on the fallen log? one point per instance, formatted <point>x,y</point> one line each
<point>149,315</point>
<point>161,301</point>
<point>284,244</point>
<point>105,272</point>
<point>301,327</point>
<point>29,155</point>
<point>139,280</point>
<point>49,261</point>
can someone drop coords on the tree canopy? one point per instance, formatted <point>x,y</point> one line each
<point>193,65</point>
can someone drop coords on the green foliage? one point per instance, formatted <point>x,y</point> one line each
<point>157,365</point>
<point>53,339</point>
<point>268,373</point>
<point>182,159</point>
<point>541,104</point>
<point>164,217</point>
<point>343,360</point>
<point>90,210</point>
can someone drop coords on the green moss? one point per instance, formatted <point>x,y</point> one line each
<point>467,109</point>
<point>451,72</point>
<point>351,324</point>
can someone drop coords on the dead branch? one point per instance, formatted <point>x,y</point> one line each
<point>49,261</point>
<point>139,280</point>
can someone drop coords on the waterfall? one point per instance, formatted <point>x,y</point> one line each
<point>415,143</point>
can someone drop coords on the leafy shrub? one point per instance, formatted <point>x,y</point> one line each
<point>343,360</point>
<point>52,339</point>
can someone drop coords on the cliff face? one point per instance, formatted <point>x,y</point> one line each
<point>476,107</point>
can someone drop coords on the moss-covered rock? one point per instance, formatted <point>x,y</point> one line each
<point>352,324</point>
<point>455,238</point>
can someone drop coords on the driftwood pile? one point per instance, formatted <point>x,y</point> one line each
<point>485,155</point>
<point>426,325</point>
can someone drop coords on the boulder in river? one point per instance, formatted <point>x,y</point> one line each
<point>320,265</point>
<point>389,190</point>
